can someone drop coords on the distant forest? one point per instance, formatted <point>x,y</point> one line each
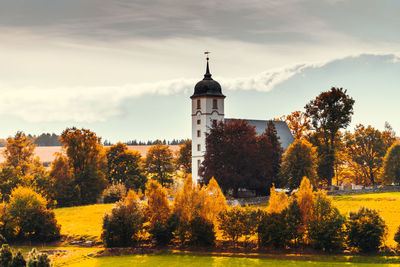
<point>47,139</point>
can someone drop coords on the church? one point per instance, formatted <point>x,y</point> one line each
<point>208,107</point>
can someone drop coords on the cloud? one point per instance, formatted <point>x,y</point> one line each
<point>100,103</point>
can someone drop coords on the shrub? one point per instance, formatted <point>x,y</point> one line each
<point>157,210</point>
<point>114,193</point>
<point>326,229</point>
<point>163,233</point>
<point>5,255</point>
<point>201,232</point>
<point>294,222</point>
<point>34,221</point>
<point>237,222</point>
<point>2,240</point>
<point>121,227</point>
<point>277,201</point>
<point>397,236</point>
<point>272,231</point>
<point>37,259</point>
<point>18,260</point>
<point>366,230</point>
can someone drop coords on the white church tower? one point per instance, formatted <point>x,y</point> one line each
<point>207,108</point>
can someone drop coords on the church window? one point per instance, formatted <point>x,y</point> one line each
<point>198,133</point>
<point>198,122</point>
<point>198,147</point>
<point>215,104</point>
<point>198,104</point>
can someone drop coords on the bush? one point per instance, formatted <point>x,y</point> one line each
<point>114,193</point>
<point>34,221</point>
<point>163,233</point>
<point>366,230</point>
<point>37,259</point>
<point>5,255</point>
<point>2,240</point>
<point>201,232</point>
<point>18,260</point>
<point>272,231</point>
<point>326,228</point>
<point>122,226</point>
<point>397,236</point>
<point>231,224</point>
<point>294,222</point>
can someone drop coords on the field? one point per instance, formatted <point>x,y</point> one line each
<point>46,153</point>
<point>85,222</point>
<point>387,204</point>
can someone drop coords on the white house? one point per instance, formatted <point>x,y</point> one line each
<point>207,107</point>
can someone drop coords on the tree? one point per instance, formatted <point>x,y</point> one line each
<point>299,124</point>
<point>366,230</point>
<point>231,223</point>
<point>391,165</point>
<point>19,152</point>
<point>214,202</point>
<point>87,161</point>
<point>305,199</point>
<point>158,209</point>
<point>124,166</point>
<point>366,149</point>
<point>299,161</point>
<point>122,226</point>
<point>388,136</point>
<point>159,163</point>
<point>329,112</point>
<point>66,191</point>
<point>326,228</point>
<point>34,221</point>
<point>277,201</point>
<point>184,157</point>
<point>273,231</point>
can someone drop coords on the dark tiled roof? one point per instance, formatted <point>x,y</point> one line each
<point>285,136</point>
<point>207,86</point>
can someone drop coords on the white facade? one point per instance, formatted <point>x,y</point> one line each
<point>205,110</point>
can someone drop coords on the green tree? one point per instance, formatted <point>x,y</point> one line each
<point>329,112</point>
<point>299,161</point>
<point>366,149</point>
<point>184,157</point>
<point>87,161</point>
<point>366,230</point>
<point>159,163</point>
<point>391,165</point>
<point>124,166</point>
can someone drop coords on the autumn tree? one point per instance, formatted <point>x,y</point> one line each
<point>159,163</point>
<point>299,124</point>
<point>184,157</point>
<point>278,201</point>
<point>238,158</point>
<point>158,209</point>
<point>299,161</point>
<point>391,165</point>
<point>214,202</point>
<point>388,136</point>
<point>124,166</point>
<point>329,112</point>
<point>87,161</point>
<point>19,152</point>
<point>366,149</point>
<point>305,199</point>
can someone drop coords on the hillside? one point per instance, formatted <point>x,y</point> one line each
<point>46,153</point>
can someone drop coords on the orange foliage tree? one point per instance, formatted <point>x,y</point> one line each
<point>278,201</point>
<point>158,209</point>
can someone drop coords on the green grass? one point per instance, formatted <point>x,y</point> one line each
<point>82,221</point>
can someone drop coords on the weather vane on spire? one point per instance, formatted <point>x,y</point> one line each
<point>207,53</point>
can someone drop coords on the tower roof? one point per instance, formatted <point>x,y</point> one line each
<point>207,86</point>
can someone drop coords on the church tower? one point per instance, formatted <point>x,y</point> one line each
<point>207,108</point>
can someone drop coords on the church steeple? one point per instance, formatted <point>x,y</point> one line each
<point>207,86</point>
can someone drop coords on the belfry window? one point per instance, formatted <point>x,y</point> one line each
<point>198,104</point>
<point>215,104</point>
<point>198,133</point>
<point>198,122</point>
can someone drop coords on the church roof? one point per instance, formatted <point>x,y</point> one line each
<point>285,136</point>
<point>207,86</point>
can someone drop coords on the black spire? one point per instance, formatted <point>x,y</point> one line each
<point>208,74</point>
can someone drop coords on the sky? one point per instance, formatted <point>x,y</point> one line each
<point>126,68</point>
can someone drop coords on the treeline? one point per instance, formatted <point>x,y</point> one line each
<point>197,215</point>
<point>323,151</point>
<point>151,142</point>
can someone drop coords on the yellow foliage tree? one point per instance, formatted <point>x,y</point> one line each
<point>131,198</point>
<point>278,201</point>
<point>157,209</point>
<point>187,201</point>
<point>305,199</point>
<point>214,201</point>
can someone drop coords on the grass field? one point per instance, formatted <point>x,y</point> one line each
<point>387,204</point>
<point>82,221</point>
